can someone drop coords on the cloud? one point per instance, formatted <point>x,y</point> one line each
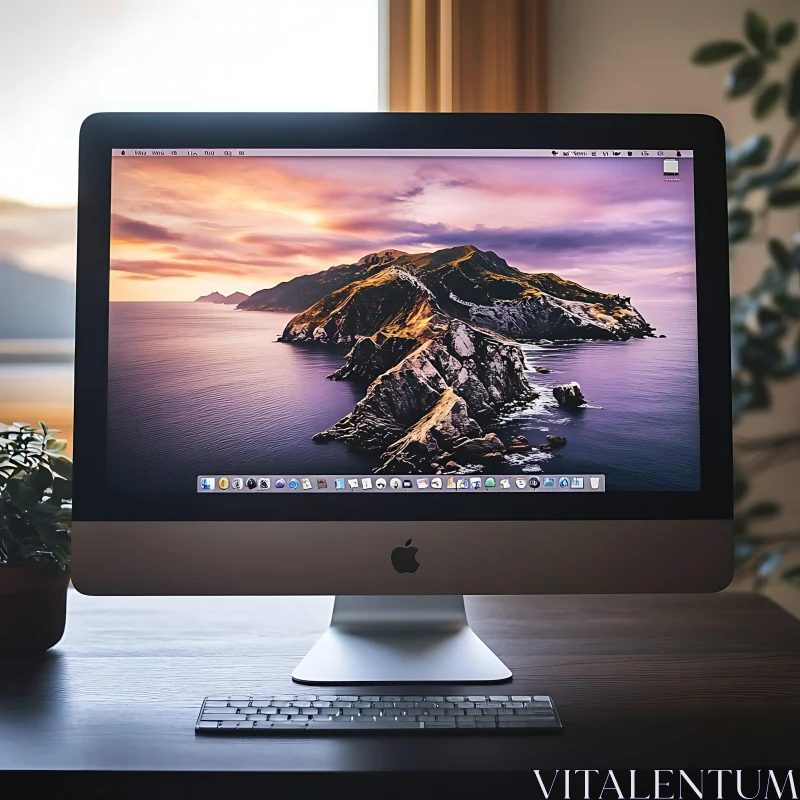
<point>41,239</point>
<point>125,229</point>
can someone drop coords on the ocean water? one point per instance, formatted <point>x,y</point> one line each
<point>199,388</point>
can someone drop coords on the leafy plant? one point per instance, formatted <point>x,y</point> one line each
<point>35,496</point>
<point>762,179</point>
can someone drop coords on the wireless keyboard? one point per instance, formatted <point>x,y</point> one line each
<point>329,713</point>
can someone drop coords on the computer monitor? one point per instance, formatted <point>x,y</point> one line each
<point>402,356</point>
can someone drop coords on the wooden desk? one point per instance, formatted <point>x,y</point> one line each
<point>641,681</point>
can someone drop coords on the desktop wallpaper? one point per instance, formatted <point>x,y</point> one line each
<point>402,315</point>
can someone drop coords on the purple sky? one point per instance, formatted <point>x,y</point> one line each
<point>241,224</point>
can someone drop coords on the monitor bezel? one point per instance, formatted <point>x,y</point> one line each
<point>94,498</point>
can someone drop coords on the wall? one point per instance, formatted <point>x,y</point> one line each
<point>633,56</point>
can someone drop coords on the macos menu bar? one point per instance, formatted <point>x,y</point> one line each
<point>621,153</point>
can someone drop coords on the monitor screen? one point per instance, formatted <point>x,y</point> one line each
<point>371,321</point>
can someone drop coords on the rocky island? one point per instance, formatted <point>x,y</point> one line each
<point>433,336</point>
<point>220,299</point>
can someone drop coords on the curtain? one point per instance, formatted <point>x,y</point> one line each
<point>467,55</point>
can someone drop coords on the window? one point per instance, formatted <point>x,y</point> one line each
<point>65,61</point>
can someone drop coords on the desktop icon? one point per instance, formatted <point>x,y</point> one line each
<point>207,484</point>
<point>252,483</point>
<point>280,483</point>
<point>223,483</point>
<point>293,483</point>
<point>520,483</point>
<point>451,482</point>
<point>491,483</point>
<point>366,483</point>
<point>263,483</point>
<point>352,483</point>
<point>554,152</point>
<point>577,483</point>
<point>322,483</point>
<point>380,483</point>
<point>462,483</point>
<point>407,484</point>
<point>339,483</point>
<point>395,483</point>
<point>534,483</point>
<point>505,483</point>
<point>307,483</point>
<point>563,483</point>
<point>617,152</point>
<point>594,483</point>
<point>475,483</point>
<point>436,483</point>
<point>630,152</point>
<point>549,483</point>
<point>422,483</point>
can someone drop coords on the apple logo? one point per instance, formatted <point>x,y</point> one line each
<point>404,558</point>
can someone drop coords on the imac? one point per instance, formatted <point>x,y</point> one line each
<point>399,358</point>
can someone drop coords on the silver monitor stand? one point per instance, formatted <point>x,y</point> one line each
<point>400,639</point>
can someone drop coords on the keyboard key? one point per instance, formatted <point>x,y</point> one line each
<point>267,714</point>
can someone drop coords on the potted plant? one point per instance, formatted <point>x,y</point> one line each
<point>35,519</point>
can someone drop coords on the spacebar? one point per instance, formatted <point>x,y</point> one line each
<point>366,726</point>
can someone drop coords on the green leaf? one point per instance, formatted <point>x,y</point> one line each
<point>714,52</point>
<point>793,95</point>
<point>788,305</point>
<point>740,223</point>
<point>785,197</point>
<point>43,427</point>
<point>754,151</point>
<point>61,466</point>
<point>40,480</point>
<point>744,77</point>
<point>757,31</point>
<point>785,169</point>
<point>785,33</point>
<point>22,495</point>
<point>767,99</point>
<point>780,254</point>
<point>792,575</point>
<point>55,445</point>
<point>61,490</point>
<point>764,509</point>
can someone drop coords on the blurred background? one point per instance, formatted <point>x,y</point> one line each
<point>61,62</point>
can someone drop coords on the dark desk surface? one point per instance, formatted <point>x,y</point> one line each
<point>639,681</point>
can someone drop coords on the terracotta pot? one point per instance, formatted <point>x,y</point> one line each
<point>33,608</point>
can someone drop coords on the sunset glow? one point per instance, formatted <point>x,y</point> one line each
<point>183,227</point>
